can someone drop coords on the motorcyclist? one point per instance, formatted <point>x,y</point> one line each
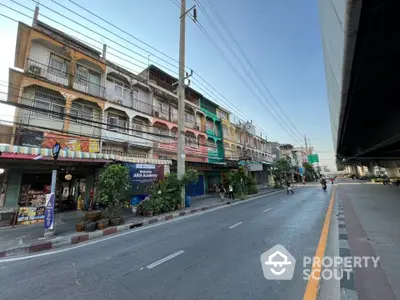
<point>323,182</point>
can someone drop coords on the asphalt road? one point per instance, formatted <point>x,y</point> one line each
<point>214,255</point>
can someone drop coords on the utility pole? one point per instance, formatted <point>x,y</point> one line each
<point>181,93</point>
<point>305,141</point>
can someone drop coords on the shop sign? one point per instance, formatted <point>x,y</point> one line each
<point>145,173</point>
<point>31,215</point>
<point>255,167</point>
<point>78,144</point>
<point>49,211</point>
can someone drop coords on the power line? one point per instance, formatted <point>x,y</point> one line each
<point>85,122</point>
<point>124,38</point>
<point>81,34</point>
<point>222,21</point>
<point>68,27</point>
<point>288,129</point>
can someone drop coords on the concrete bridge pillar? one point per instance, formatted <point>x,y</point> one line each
<point>371,168</point>
<point>393,172</point>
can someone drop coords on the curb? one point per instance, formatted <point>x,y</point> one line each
<point>65,241</point>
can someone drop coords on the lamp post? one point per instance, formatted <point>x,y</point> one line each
<point>49,222</point>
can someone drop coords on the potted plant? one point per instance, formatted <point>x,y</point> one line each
<point>114,184</point>
<point>80,226</point>
<point>90,226</point>
<point>102,224</point>
<point>92,215</point>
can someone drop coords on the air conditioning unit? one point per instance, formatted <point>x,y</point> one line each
<point>35,70</point>
<point>157,114</point>
<point>117,100</point>
<point>197,127</point>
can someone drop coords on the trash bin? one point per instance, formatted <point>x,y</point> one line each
<point>187,201</point>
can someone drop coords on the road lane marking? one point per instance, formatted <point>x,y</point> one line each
<point>234,225</point>
<point>163,260</point>
<point>284,201</point>
<point>268,209</point>
<point>311,292</point>
<point>85,244</point>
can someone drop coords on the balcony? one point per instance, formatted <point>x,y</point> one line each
<point>88,87</point>
<point>62,77</point>
<point>162,84</point>
<point>47,72</point>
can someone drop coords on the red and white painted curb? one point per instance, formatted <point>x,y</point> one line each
<point>65,241</point>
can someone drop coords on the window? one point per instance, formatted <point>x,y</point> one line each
<point>82,75</point>
<point>49,104</point>
<point>83,112</point>
<point>137,125</point>
<point>118,91</point>
<point>135,94</point>
<point>58,65</point>
<point>210,125</point>
<point>226,132</point>
<point>127,96</point>
<point>112,123</point>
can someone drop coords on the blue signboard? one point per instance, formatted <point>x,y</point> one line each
<point>145,173</point>
<point>49,211</point>
<point>301,171</point>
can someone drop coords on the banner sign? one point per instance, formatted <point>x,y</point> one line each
<point>49,211</point>
<point>79,144</point>
<point>31,215</point>
<point>145,173</point>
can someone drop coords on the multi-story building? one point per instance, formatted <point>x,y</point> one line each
<point>68,93</point>
<point>99,112</point>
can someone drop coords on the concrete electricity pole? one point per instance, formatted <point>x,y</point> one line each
<point>181,93</point>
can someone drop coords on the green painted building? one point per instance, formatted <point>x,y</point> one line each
<point>213,131</point>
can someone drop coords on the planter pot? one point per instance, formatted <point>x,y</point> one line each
<point>90,227</point>
<point>102,224</point>
<point>115,221</point>
<point>148,213</point>
<point>79,227</point>
<point>93,216</point>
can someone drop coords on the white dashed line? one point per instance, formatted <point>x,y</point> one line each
<point>234,225</point>
<point>163,260</point>
<point>268,209</point>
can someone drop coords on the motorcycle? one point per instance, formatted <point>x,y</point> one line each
<point>324,187</point>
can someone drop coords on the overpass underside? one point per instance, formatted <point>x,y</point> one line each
<point>369,129</point>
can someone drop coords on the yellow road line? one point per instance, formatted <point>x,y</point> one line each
<point>311,292</point>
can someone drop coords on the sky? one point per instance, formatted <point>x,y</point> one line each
<point>282,40</point>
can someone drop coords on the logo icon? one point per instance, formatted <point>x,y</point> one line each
<point>278,264</point>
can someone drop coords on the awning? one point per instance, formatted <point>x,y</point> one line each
<point>33,153</point>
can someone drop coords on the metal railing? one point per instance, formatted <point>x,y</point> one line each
<point>47,72</point>
<point>62,77</point>
<point>162,84</point>
<point>88,87</point>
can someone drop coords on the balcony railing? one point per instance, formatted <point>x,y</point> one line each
<point>47,72</point>
<point>88,87</point>
<point>162,84</point>
<point>62,77</point>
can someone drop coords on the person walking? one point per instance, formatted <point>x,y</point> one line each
<point>288,187</point>
<point>231,196</point>
<point>221,191</point>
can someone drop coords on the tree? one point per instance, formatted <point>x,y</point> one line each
<point>281,168</point>
<point>309,171</point>
<point>113,186</point>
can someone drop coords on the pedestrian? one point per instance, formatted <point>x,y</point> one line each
<point>221,191</point>
<point>231,196</point>
<point>288,187</point>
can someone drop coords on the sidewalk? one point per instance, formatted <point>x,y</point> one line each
<point>370,226</point>
<point>25,236</point>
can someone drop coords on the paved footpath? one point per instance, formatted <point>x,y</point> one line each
<point>211,255</point>
<point>369,225</point>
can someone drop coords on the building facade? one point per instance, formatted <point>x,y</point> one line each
<point>99,112</point>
